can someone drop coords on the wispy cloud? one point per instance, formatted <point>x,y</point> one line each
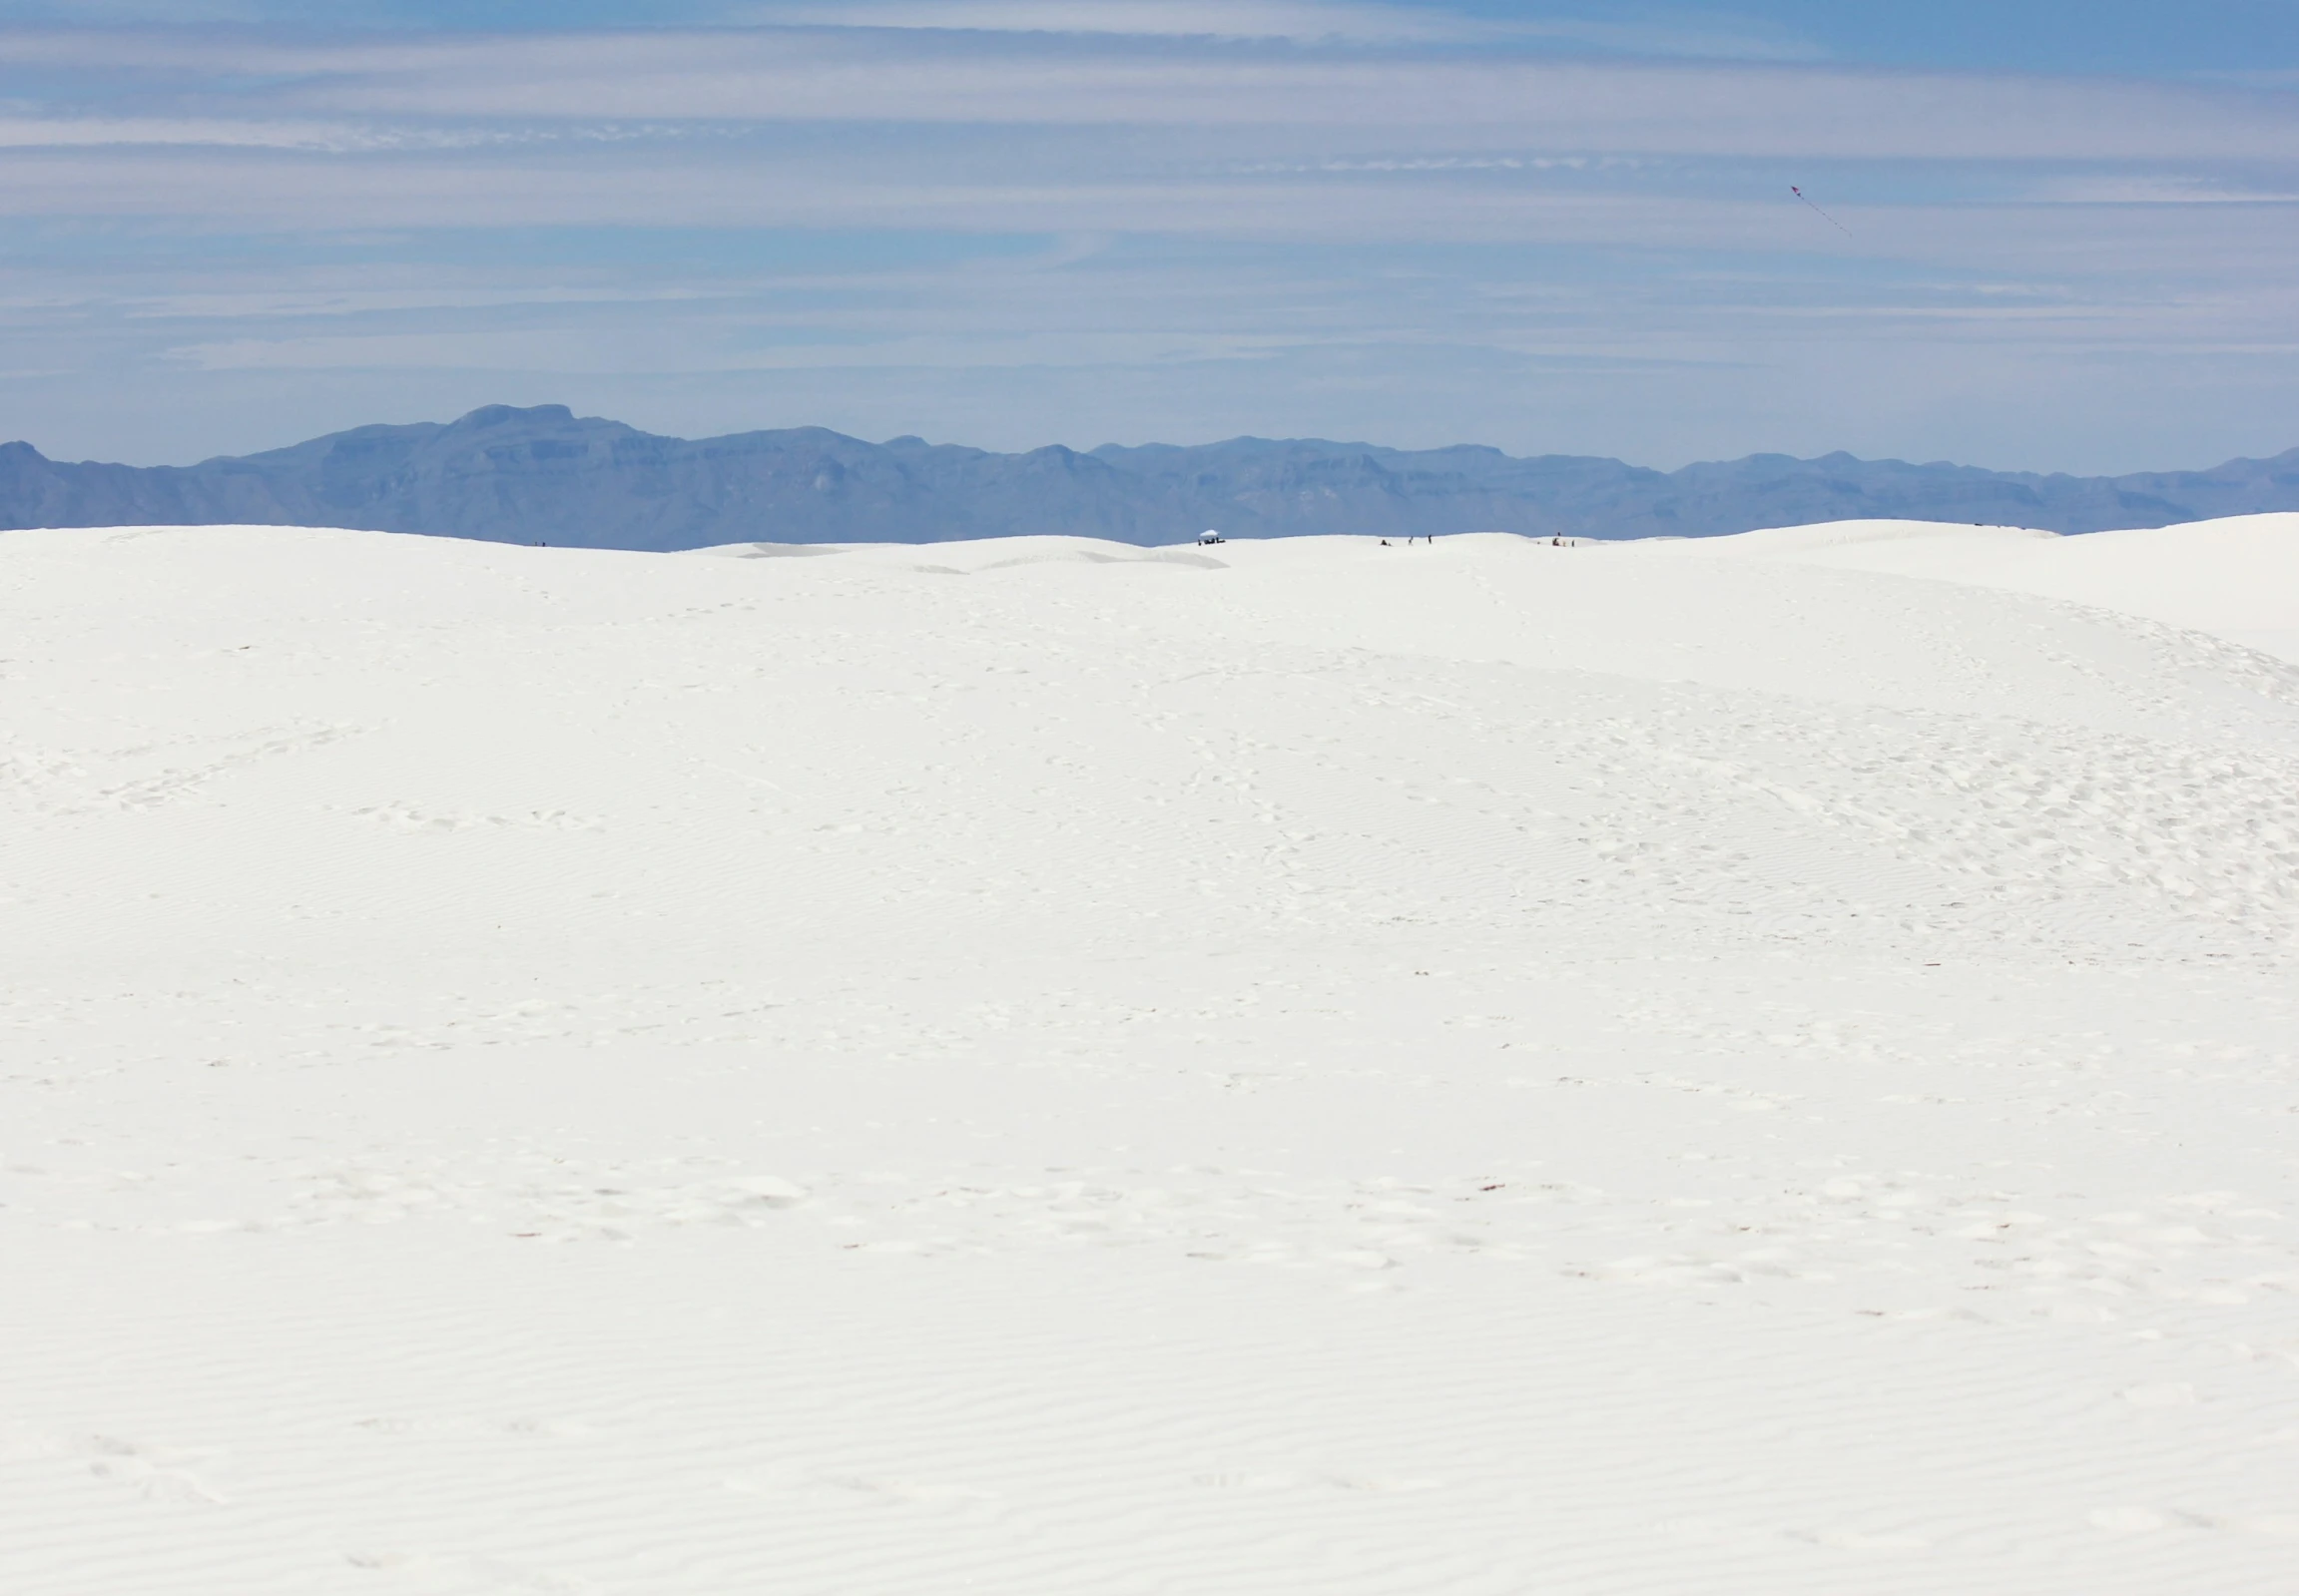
<point>1356,210</point>
<point>1547,105</point>
<point>1303,20</point>
<point>316,138</point>
<point>2132,188</point>
<point>848,74</point>
<point>1222,19</point>
<point>558,351</point>
<point>71,132</point>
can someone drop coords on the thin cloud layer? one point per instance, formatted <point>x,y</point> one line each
<point>869,75</point>
<point>1212,19</point>
<point>1385,220</point>
<point>1312,21</point>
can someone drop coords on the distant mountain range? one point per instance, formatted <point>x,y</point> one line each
<point>543,475</point>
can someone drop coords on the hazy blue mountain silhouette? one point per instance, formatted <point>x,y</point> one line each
<point>543,475</point>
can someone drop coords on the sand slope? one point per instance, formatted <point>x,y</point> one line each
<point>1042,1067</point>
<point>2238,576</point>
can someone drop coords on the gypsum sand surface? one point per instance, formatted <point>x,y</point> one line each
<point>1039,1067</point>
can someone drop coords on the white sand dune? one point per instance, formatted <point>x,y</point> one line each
<point>2238,576</point>
<point>1054,1069</point>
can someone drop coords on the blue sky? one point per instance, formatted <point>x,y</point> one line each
<point>2055,237</point>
